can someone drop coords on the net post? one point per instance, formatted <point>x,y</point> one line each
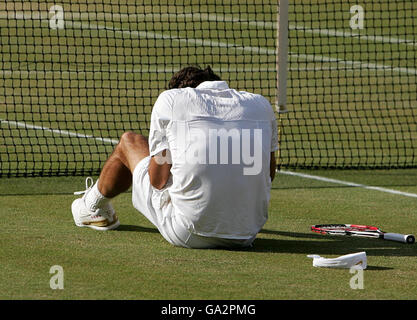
<point>282,56</point>
<point>281,69</point>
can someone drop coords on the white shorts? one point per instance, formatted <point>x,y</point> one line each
<point>154,204</point>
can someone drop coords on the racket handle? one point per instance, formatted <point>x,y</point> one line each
<point>405,238</point>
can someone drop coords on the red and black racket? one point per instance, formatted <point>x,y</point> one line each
<point>356,230</point>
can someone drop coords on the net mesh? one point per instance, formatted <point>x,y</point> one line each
<point>352,85</point>
<point>75,75</point>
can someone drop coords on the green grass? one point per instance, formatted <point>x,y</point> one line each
<point>135,262</point>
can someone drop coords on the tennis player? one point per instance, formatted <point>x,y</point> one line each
<point>203,177</point>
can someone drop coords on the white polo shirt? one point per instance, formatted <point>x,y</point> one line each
<point>220,141</point>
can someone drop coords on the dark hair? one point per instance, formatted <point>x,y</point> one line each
<point>192,77</point>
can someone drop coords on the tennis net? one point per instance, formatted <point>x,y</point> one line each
<point>352,85</point>
<point>75,75</point>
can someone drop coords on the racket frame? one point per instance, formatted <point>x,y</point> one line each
<point>364,231</point>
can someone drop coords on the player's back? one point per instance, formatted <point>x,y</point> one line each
<point>220,144</point>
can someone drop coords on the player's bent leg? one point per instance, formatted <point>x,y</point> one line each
<point>94,209</point>
<point>100,216</point>
<point>116,175</point>
<point>134,148</point>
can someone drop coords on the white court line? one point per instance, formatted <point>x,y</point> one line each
<point>114,142</point>
<point>259,50</point>
<point>347,183</point>
<point>353,64</point>
<point>24,125</point>
<point>299,27</point>
<point>215,17</point>
<point>76,74</point>
<point>346,34</point>
<point>200,42</point>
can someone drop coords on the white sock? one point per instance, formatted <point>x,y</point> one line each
<point>94,199</point>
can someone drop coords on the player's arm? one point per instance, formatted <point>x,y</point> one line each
<point>272,166</point>
<point>159,170</point>
<point>160,165</point>
<point>274,140</point>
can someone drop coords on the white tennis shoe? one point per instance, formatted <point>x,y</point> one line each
<point>100,219</point>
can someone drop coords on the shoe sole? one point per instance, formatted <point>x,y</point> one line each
<point>111,226</point>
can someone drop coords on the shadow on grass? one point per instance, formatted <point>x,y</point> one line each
<point>311,243</point>
<point>126,227</point>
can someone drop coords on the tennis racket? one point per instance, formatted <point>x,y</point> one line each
<point>361,231</point>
